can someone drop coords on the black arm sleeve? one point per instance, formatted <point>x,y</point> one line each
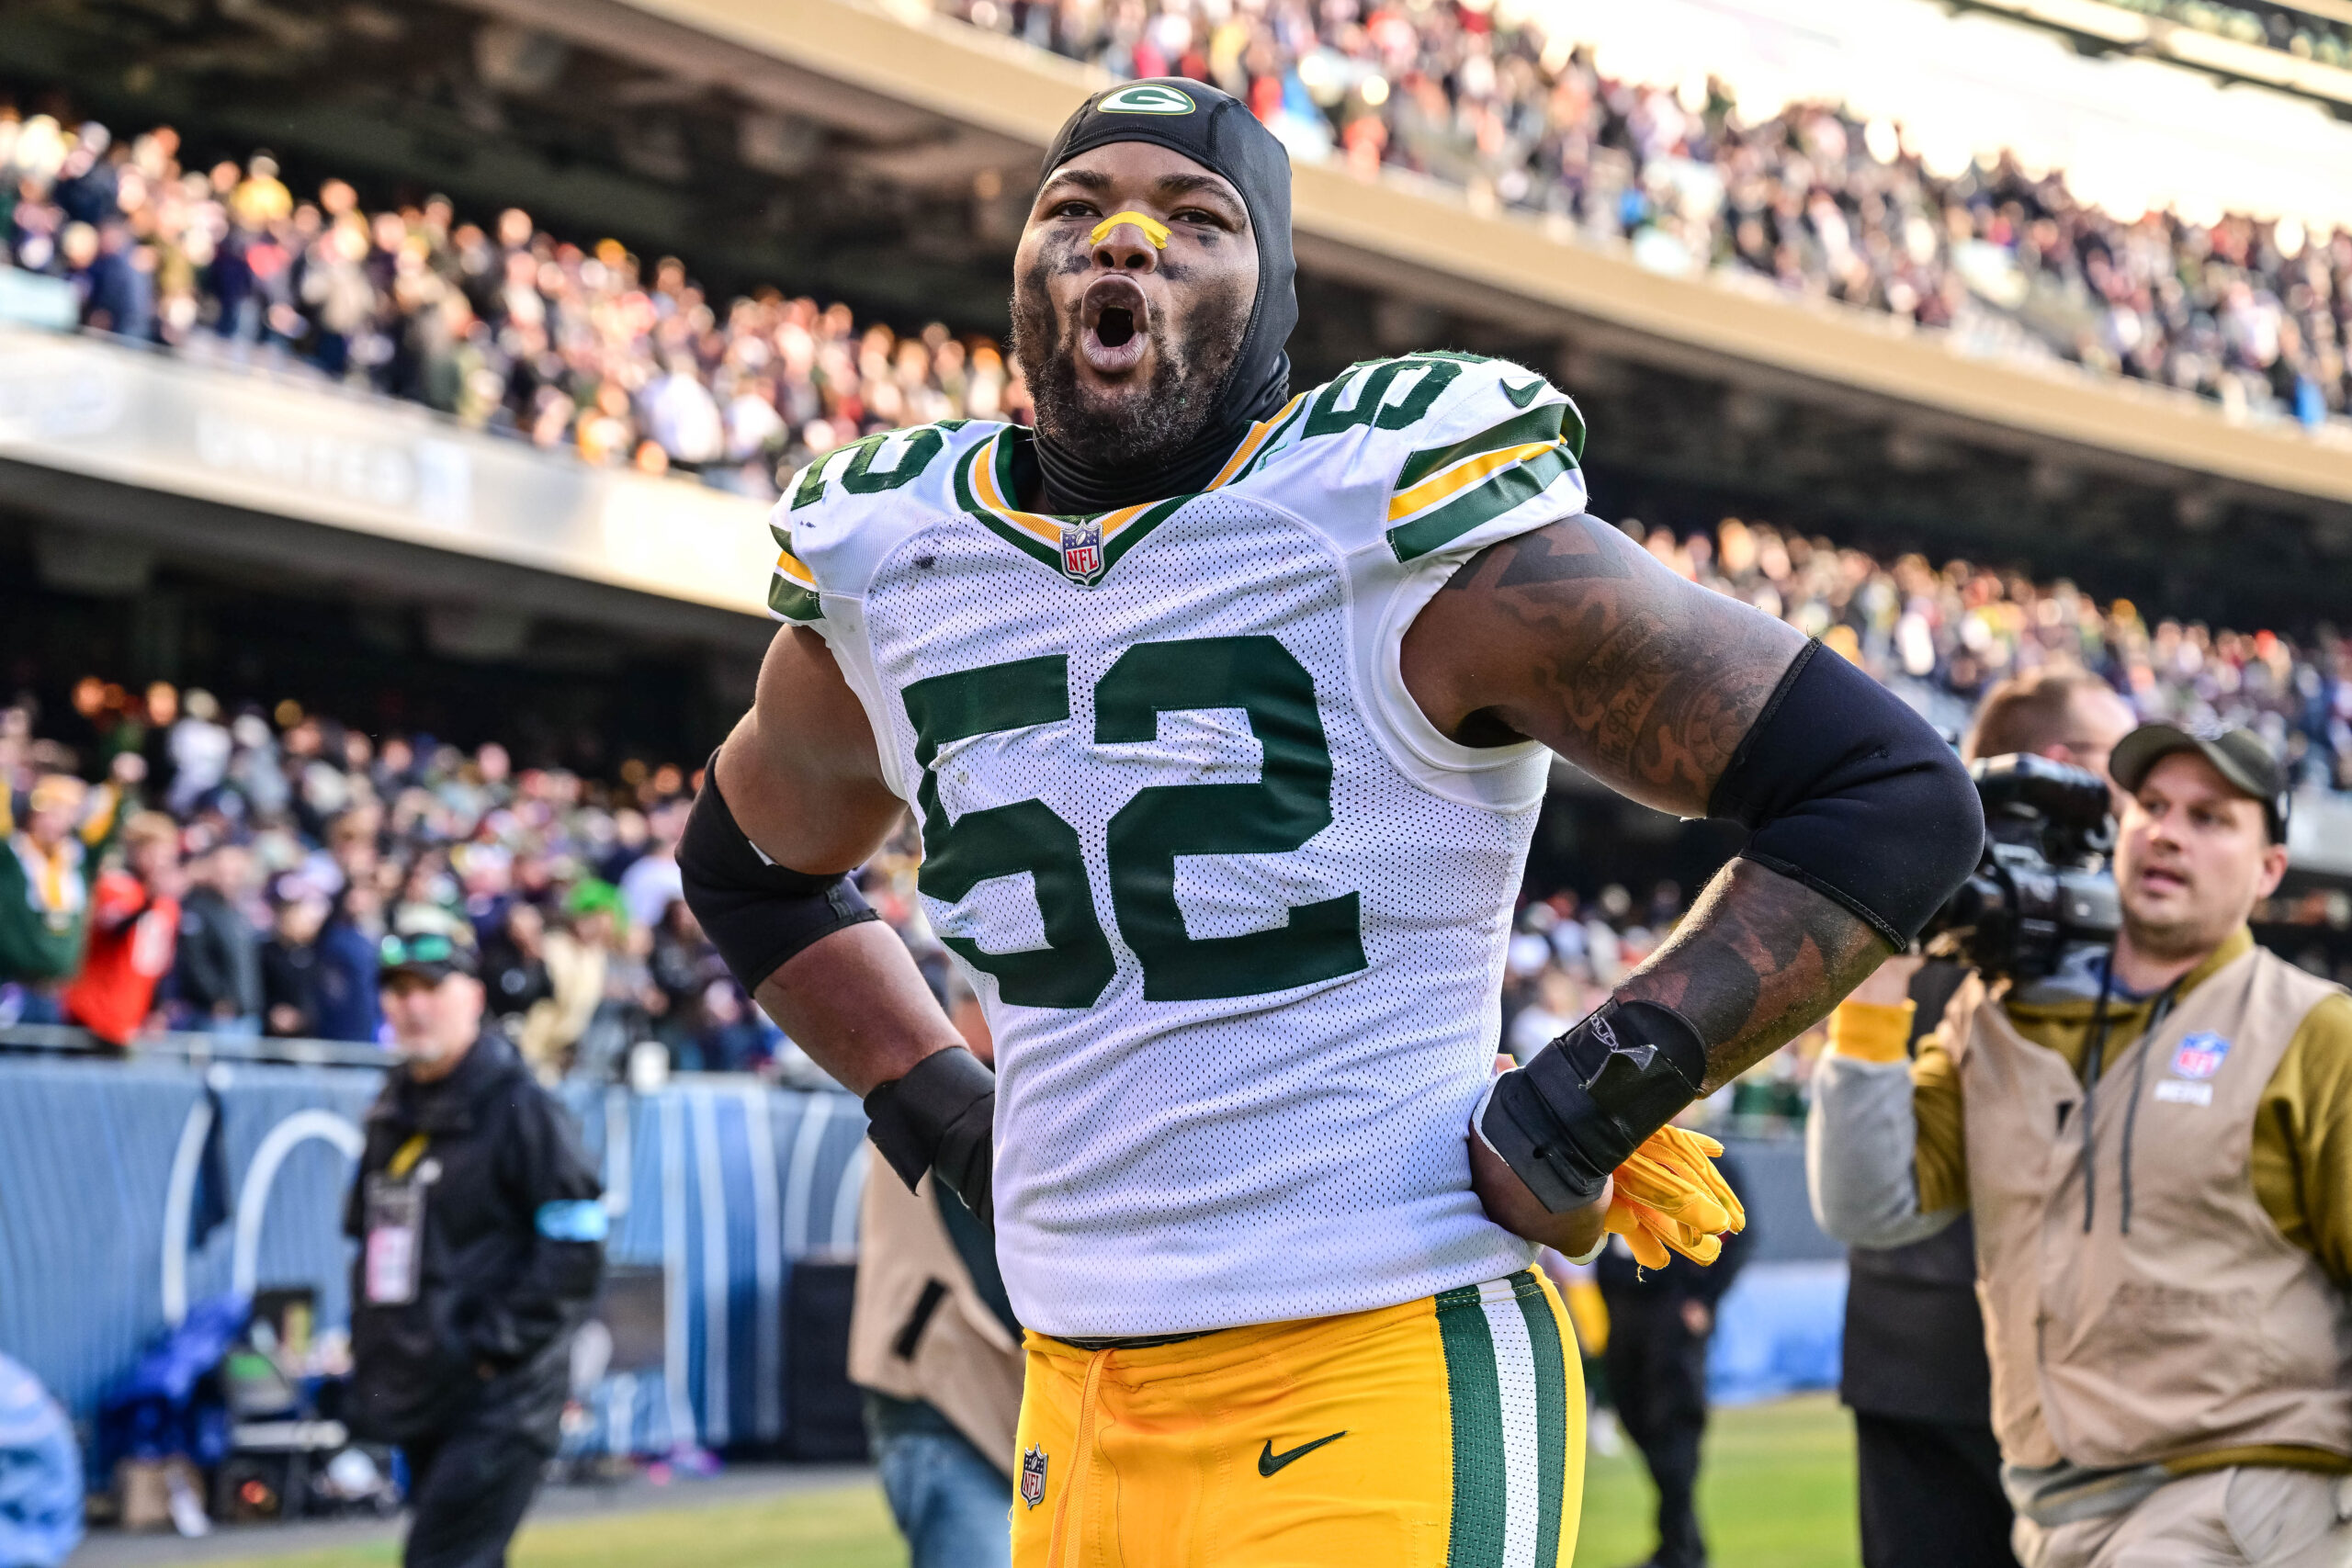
<point>755,912</point>
<point>1851,793</point>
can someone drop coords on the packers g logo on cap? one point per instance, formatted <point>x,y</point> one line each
<point>1145,97</point>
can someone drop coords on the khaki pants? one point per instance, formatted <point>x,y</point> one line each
<point>2250,1518</point>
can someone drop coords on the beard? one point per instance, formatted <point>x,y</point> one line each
<point>1134,428</point>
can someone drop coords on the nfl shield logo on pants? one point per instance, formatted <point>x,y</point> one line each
<point>1033,1476</point>
<point>1081,550</point>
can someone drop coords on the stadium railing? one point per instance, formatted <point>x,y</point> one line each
<point>197,1049</point>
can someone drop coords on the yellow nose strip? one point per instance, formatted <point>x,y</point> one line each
<point>1153,230</point>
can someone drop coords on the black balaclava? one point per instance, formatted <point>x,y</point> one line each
<point>1217,132</point>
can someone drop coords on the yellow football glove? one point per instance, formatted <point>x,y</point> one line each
<point>1670,1194</point>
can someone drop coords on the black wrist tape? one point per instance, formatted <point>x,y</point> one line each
<point>941,1117</point>
<point>1586,1101</point>
<point>756,913</point>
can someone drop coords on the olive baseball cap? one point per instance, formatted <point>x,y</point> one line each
<point>2236,753</point>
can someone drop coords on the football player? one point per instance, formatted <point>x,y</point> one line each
<point>1226,715</point>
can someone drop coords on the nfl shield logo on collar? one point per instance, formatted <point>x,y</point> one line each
<point>1081,551</point>
<point>2200,1056</point>
<point>1033,1476</point>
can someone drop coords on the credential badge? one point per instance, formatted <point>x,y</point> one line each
<point>2200,1056</point>
<point>1081,551</point>
<point>1033,1476</point>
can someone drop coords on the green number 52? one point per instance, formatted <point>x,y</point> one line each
<point>1289,804</point>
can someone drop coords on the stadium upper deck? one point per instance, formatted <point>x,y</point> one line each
<point>883,159</point>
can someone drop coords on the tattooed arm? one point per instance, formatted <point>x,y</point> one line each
<point>1575,635</point>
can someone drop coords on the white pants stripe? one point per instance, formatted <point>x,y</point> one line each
<point>1515,1378</point>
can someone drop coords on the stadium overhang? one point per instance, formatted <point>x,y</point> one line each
<point>987,95</point>
<point>119,459</point>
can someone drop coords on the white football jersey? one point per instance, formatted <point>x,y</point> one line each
<point>1234,908</point>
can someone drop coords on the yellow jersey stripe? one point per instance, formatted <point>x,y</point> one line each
<point>1251,442</point>
<point>791,566</point>
<point>1461,476</point>
<point>984,486</point>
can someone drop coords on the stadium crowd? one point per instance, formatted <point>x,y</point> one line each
<point>504,327</point>
<point>179,862</point>
<point>1810,200</point>
<point>235,872</point>
<point>581,345</point>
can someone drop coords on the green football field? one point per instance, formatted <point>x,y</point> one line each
<point>1778,1492</point>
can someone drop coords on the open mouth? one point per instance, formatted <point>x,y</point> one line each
<point>1113,317</point>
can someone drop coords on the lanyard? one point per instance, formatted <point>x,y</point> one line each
<point>2093,1059</point>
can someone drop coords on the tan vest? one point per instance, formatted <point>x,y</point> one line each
<point>2202,1328</point>
<point>958,1358</point>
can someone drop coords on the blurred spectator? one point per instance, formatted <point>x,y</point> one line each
<point>133,932</point>
<point>652,882</point>
<point>731,1040</point>
<point>513,958</point>
<point>1660,1321</point>
<point>217,976</point>
<point>682,967</point>
<point>43,897</point>
<point>581,956</point>
<point>348,1008</point>
<point>1559,1006</point>
<point>200,749</point>
<point>290,961</point>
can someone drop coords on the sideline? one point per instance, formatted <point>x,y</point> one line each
<point>635,1495</point>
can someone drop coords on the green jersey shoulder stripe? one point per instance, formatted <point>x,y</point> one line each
<point>1514,485</point>
<point>1540,423</point>
<point>794,603</point>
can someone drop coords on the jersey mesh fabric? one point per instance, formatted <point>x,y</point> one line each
<point>1172,1165</point>
<point>1166,1166</point>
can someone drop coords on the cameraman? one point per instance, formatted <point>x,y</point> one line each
<point>1915,1375</point>
<point>2156,1146</point>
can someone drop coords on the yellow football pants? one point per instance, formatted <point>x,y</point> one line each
<point>1443,1433</point>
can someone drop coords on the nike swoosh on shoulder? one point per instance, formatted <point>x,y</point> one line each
<point>1269,1461</point>
<point>1522,396</point>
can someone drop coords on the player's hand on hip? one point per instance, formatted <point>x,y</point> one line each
<point>1510,1204</point>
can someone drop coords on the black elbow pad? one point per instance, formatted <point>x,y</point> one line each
<point>1849,792</point>
<point>755,912</point>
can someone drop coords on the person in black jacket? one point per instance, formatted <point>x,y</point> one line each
<point>218,970</point>
<point>1659,1323</point>
<point>481,1247</point>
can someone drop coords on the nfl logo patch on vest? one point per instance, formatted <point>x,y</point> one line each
<point>1082,551</point>
<point>2200,1056</point>
<point>1033,1476</point>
